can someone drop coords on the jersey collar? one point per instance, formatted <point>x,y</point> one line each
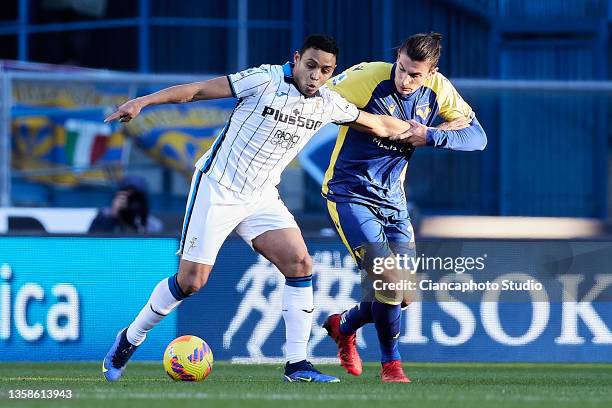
<point>288,69</point>
<point>288,73</point>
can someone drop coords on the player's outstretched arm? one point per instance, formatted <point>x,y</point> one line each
<point>470,138</point>
<point>216,88</point>
<point>382,126</point>
<point>455,124</point>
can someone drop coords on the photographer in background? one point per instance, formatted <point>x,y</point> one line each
<point>129,211</point>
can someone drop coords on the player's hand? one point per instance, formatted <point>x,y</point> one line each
<point>415,136</point>
<point>126,112</point>
<point>455,124</point>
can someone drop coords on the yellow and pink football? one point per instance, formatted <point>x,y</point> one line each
<point>188,358</point>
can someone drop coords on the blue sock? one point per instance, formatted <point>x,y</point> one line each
<point>387,322</point>
<point>175,289</point>
<point>357,316</point>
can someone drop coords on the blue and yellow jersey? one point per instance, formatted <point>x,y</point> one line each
<point>371,170</point>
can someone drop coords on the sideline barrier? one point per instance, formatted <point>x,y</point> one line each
<point>64,298</point>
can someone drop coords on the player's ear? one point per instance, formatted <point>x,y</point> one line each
<point>296,57</point>
<point>433,70</point>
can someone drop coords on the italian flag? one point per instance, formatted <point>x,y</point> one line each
<point>86,142</point>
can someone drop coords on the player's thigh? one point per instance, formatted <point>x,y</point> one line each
<point>207,223</point>
<point>272,231</point>
<point>361,230</point>
<point>400,233</point>
<point>398,228</point>
<point>286,249</point>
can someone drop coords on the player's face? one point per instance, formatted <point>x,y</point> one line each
<point>312,69</point>
<point>410,75</point>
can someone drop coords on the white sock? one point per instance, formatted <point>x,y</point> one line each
<point>163,300</point>
<point>298,306</point>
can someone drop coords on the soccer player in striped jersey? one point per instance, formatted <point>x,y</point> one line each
<point>279,108</point>
<point>364,183</point>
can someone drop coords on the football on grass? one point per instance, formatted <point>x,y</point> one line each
<point>188,358</point>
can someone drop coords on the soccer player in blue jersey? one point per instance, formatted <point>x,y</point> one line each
<point>364,184</point>
<point>280,107</point>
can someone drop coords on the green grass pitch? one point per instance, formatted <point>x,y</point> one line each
<point>434,385</point>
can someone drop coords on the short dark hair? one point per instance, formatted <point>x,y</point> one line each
<point>321,42</point>
<point>423,47</point>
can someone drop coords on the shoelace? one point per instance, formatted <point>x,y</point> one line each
<point>311,367</point>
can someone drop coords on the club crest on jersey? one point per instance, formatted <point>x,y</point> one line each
<point>391,108</point>
<point>423,113</point>
<point>291,119</point>
<point>192,243</point>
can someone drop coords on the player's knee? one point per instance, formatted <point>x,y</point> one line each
<point>194,284</point>
<point>301,264</point>
<point>388,297</point>
<point>192,279</point>
<point>305,264</point>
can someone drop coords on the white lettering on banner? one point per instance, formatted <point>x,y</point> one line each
<point>62,319</point>
<point>489,313</point>
<point>29,291</point>
<point>414,321</point>
<point>583,309</point>
<point>5,302</point>
<point>261,275</point>
<point>68,309</point>
<point>457,310</point>
<point>336,279</point>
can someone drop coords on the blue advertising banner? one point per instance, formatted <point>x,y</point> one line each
<point>568,320</point>
<point>65,298</point>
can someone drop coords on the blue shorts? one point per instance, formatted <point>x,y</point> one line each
<point>364,228</point>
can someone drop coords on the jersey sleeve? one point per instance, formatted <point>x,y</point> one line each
<point>343,111</point>
<point>357,83</point>
<point>469,139</point>
<point>250,81</point>
<point>451,104</point>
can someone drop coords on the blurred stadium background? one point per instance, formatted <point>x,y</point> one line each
<point>537,73</point>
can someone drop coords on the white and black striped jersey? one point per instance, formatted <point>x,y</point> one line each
<point>270,124</point>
